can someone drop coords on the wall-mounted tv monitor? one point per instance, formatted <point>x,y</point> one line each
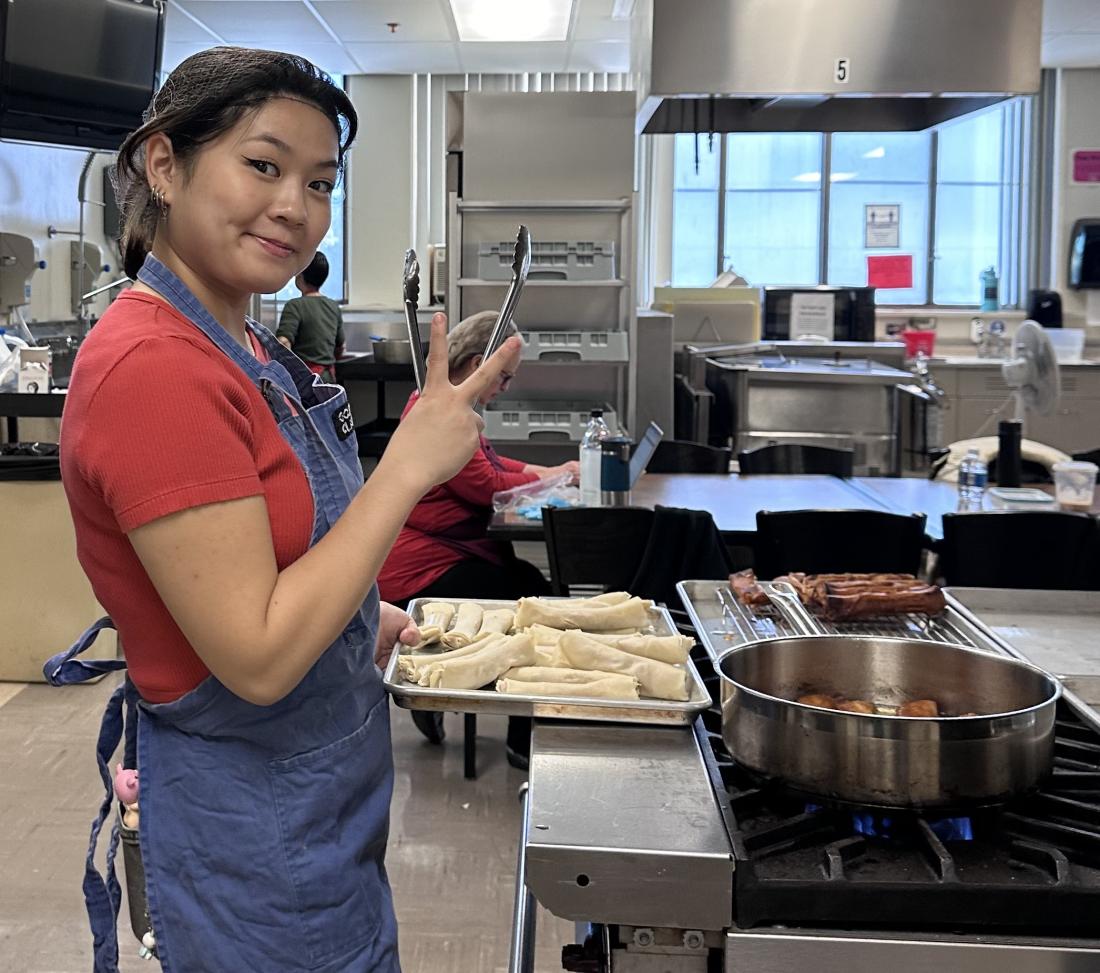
<point>77,72</point>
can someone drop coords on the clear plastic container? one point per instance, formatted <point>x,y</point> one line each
<point>1069,344</point>
<point>1074,484</point>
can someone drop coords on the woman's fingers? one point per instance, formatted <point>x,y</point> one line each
<point>504,359</point>
<point>437,352</point>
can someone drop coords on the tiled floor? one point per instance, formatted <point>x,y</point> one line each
<point>451,858</point>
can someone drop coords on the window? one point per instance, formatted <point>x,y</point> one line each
<point>795,206</point>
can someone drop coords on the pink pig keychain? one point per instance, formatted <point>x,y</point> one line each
<point>126,790</point>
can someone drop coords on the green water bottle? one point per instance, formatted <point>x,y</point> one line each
<point>990,286</point>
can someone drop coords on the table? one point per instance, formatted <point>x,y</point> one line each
<point>16,405</point>
<point>732,500</point>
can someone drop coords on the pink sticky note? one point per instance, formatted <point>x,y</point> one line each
<point>1086,165</point>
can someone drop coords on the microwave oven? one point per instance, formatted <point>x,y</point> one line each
<point>823,313</point>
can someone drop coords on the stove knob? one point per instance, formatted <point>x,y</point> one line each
<point>643,937</point>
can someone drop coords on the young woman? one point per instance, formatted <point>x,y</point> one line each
<point>222,519</point>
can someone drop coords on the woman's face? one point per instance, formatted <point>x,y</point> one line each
<point>257,202</point>
<point>500,385</point>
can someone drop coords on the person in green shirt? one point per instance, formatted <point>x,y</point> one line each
<point>311,326</point>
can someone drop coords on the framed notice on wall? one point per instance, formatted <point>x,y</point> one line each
<point>881,226</point>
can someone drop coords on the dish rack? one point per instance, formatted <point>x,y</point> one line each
<point>723,623</point>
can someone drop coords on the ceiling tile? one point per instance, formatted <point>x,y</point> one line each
<point>420,20</point>
<point>1066,16</point>
<point>594,23</point>
<point>490,57</point>
<point>181,29</point>
<point>266,23</point>
<point>397,57</point>
<point>599,56</point>
<point>1077,50</point>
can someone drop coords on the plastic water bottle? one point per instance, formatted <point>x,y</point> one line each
<point>973,475</point>
<point>990,288</point>
<point>591,458</point>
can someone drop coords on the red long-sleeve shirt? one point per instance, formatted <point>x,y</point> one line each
<point>448,524</point>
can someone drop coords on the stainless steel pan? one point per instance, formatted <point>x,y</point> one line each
<point>886,761</point>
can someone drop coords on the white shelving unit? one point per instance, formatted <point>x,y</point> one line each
<point>600,310</point>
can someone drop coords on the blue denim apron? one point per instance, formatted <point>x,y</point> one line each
<point>263,828</point>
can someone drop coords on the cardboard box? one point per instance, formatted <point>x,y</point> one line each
<point>34,369</point>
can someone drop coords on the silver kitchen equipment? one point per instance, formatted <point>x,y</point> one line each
<point>410,292</point>
<point>393,351</point>
<point>521,265</point>
<point>656,711</point>
<point>886,761</point>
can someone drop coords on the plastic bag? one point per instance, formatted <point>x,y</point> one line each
<point>9,361</point>
<point>528,499</point>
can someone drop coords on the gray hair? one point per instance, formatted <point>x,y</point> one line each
<point>469,337</point>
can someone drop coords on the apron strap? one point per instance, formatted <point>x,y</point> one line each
<point>64,669</point>
<point>102,893</point>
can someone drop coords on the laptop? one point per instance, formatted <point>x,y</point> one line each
<point>644,451</point>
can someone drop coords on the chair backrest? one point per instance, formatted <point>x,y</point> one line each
<point>678,456</point>
<point>1021,550</point>
<point>822,541</point>
<point>795,458</point>
<point>595,545</point>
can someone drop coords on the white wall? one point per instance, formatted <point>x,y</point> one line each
<point>38,186</point>
<point>1077,126</point>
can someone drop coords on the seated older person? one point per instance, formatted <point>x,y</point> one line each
<point>443,551</point>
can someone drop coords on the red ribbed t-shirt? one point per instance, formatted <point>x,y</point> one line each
<point>158,420</point>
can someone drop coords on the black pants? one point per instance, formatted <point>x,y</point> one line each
<point>475,578</point>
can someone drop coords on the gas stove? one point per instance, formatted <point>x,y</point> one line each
<point>682,861</point>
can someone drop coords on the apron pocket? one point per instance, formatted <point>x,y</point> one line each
<point>333,809</point>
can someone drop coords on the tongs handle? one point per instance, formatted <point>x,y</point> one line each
<point>410,291</point>
<point>521,264</point>
<point>786,600</point>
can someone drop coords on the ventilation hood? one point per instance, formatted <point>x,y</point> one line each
<point>829,65</point>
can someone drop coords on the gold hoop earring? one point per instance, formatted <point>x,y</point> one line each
<point>157,195</point>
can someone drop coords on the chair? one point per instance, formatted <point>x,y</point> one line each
<point>795,458</point>
<point>595,545</point>
<point>1021,550</point>
<point>821,541</point>
<point>1088,456</point>
<point>680,456</point>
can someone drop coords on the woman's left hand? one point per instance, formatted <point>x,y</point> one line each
<point>394,626</point>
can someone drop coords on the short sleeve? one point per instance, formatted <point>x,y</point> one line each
<point>290,321</point>
<point>169,428</point>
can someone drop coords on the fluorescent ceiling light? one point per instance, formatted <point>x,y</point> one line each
<point>878,152</point>
<point>808,177</point>
<point>512,20</point>
<point>841,176</point>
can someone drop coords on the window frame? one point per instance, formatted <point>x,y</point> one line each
<point>1016,267</point>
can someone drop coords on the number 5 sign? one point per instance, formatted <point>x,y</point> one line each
<point>842,70</point>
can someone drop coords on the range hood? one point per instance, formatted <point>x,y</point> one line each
<point>829,65</point>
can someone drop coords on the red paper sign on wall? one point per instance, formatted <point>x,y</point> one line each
<point>895,270</point>
<point>1086,166</point>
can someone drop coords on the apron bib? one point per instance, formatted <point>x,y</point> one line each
<point>263,828</point>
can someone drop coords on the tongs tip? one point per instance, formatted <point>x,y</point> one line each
<point>411,279</point>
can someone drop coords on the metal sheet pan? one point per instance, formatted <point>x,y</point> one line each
<point>651,711</point>
<point>1055,630</point>
<point>723,623</point>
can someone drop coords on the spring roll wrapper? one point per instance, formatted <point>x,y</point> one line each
<point>657,679</point>
<point>597,689</point>
<point>558,674</point>
<point>466,626</point>
<point>411,666</point>
<point>437,617</point>
<point>485,665</point>
<point>632,614</point>
<point>496,620</point>
<point>672,649</point>
<point>551,656</point>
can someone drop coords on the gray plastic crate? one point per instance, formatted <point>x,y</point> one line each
<point>584,346</point>
<point>561,420</point>
<point>550,260</point>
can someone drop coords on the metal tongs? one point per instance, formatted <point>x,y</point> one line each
<point>410,291</point>
<point>521,264</point>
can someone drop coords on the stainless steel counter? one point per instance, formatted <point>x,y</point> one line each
<point>625,828</point>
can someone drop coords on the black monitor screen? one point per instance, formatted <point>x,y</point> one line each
<point>77,72</point>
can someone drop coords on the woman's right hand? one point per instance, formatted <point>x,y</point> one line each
<point>441,431</point>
